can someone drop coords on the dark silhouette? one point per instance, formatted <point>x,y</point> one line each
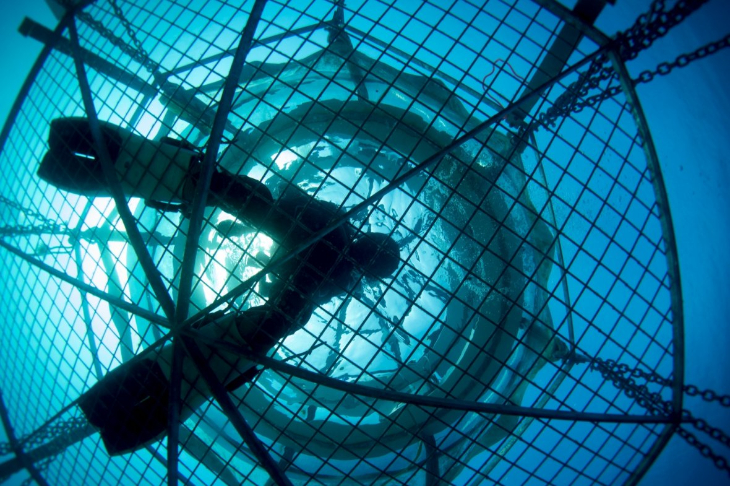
<point>129,405</point>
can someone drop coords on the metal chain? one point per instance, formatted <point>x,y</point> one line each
<point>623,378</point>
<point>703,426</point>
<point>46,225</point>
<point>652,25</point>
<point>574,99</point>
<point>46,435</point>
<point>138,53</point>
<point>52,431</point>
<point>705,450</point>
<point>683,60</point>
<point>5,448</point>
<point>648,27</point>
<point>707,395</point>
<point>662,69</point>
<point>49,433</point>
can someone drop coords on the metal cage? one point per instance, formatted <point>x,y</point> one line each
<point>532,240</point>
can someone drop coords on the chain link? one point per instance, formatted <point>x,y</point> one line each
<point>53,431</point>
<point>705,450</point>
<point>683,60</point>
<point>648,27</point>
<point>624,378</point>
<point>138,53</point>
<point>703,426</point>
<point>707,395</point>
<point>5,448</point>
<point>46,225</point>
<point>46,435</point>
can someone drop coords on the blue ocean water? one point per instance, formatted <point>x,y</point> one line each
<point>688,116</point>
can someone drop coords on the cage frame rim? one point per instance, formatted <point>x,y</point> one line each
<point>653,166</point>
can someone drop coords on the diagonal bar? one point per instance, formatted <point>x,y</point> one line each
<point>130,225</point>
<point>31,28</point>
<point>425,400</point>
<point>209,160</point>
<point>23,460</point>
<point>194,228</point>
<point>84,287</point>
<point>395,183</point>
<point>224,400</point>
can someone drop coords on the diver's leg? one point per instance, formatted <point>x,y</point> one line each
<point>165,171</point>
<point>152,170</point>
<point>262,327</point>
<point>129,406</point>
<point>243,197</point>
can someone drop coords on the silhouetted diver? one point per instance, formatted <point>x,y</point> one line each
<point>129,406</point>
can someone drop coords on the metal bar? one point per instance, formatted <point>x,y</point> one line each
<point>207,456</point>
<point>558,54</point>
<point>670,245</point>
<point>231,52</point>
<point>338,34</point>
<point>572,17</point>
<point>153,452</point>
<point>173,414</point>
<point>393,185</point>
<point>25,89</point>
<point>210,158</point>
<point>665,218</point>
<point>423,400</point>
<point>237,420</point>
<point>135,239</point>
<point>17,448</point>
<point>150,316</point>
<point>31,28</point>
<point>433,475</point>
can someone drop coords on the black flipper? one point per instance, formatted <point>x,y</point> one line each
<point>72,163</point>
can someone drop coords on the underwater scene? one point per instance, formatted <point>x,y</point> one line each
<point>361,242</point>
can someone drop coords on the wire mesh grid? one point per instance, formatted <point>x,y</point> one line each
<point>516,251</point>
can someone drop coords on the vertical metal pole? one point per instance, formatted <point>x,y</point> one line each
<point>194,228</point>
<point>243,429</point>
<point>173,414</point>
<point>210,158</point>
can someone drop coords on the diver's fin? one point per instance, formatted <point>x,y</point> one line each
<point>149,169</point>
